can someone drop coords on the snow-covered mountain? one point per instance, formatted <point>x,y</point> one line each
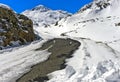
<point>44,17</point>
<point>101,8</point>
<point>96,26</point>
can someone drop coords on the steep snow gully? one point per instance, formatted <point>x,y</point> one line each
<point>96,26</point>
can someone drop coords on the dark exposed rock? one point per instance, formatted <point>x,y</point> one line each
<point>117,24</point>
<point>14,28</point>
<point>60,50</point>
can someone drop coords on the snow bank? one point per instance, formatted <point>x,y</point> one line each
<point>15,63</point>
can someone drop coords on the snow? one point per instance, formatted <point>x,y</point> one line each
<point>96,60</point>
<point>43,17</point>
<point>100,8</point>
<point>93,62</point>
<point>4,6</point>
<point>18,61</point>
<point>40,8</point>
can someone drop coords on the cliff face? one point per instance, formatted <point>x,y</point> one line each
<point>15,29</point>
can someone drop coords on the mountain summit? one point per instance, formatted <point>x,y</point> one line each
<point>101,8</point>
<point>42,15</point>
<point>40,8</point>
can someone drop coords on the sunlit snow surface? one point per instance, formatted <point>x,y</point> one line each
<point>96,60</point>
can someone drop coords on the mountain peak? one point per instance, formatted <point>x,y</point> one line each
<point>40,8</point>
<point>101,8</point>
<point>43,16</point>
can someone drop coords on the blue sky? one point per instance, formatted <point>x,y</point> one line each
<point>67,5</point>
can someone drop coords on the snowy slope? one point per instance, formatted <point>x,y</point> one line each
<point>98,29</point>
<point>15,62</point>
<point>44,17</point>
<point>96,26</point>
<point>93,62</point>
<point>101,8</point>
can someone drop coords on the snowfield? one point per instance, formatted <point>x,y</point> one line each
<point>97,28</point>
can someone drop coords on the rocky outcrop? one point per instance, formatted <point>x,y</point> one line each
<point>15,29</point>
